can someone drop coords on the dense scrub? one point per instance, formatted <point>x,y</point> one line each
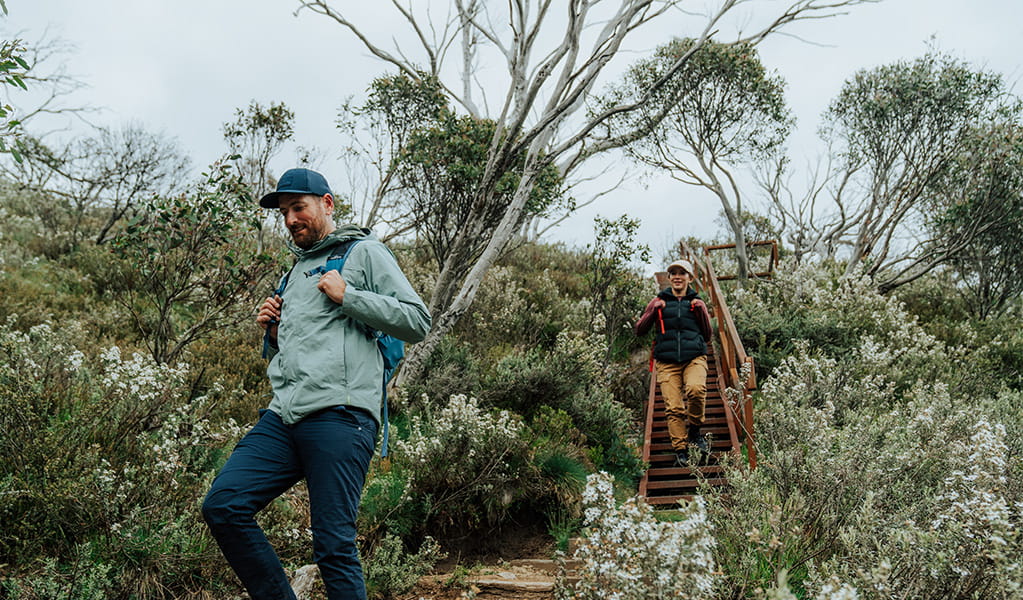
<point>889,431</point>
<point>891,460</point>
<point>106,452</point>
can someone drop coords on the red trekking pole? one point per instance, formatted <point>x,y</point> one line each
<point>660,319</point>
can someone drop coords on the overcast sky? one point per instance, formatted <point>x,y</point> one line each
<point>183,66</point>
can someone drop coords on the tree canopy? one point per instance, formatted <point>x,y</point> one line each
<point>900,138</point>
<point>899,128</point>
<point>551,61</point>
<point>720,110</point>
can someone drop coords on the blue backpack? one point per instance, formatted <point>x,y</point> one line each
<point>392,350</point>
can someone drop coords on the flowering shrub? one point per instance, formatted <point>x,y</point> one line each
<point>628,554</point>
<point>534,345</point>
<point>391,571</point>
<point>103,462</point>
<point>833,590</point>
<point>885,470</point>
<point>84,580</point>
<point>518,311</point>
<point>471,463</point>
<point>525,302</point>
<point>834,314</point>
<point>967,543</point>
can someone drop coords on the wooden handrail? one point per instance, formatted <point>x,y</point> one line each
<point>648,421</point>
<point>732,356</point>
<point>771,263</point>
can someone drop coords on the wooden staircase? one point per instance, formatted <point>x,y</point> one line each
<point>729,425</point>
<point>664,482</point>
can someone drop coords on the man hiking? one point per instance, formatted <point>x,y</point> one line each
<point>327,375</point>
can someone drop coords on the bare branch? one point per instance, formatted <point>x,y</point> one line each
<point>321,7</point>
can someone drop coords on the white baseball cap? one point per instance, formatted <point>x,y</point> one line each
<point>683,264</point>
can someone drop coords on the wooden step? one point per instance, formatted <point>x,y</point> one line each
<point>665,483</point>
<point>661,500</point>
<point>708,423</point>
<point>676,484</point>
<point>679,472</point>
<point>665,447</point>
<point>711,412</point>
<point>661,442</point>
<point>663,461</point>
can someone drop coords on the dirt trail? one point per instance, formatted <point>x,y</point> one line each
<point>522,579</point>
<point>531,578</point>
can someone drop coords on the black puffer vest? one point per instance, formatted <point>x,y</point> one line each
<point>681,341</point>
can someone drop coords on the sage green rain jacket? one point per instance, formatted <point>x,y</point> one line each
<point>324,356</point>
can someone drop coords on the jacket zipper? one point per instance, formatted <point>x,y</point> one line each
<point>678,337</point>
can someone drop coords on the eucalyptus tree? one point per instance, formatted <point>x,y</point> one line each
<point>440,169</point>
<point>898,135</point>
<point>549,56</point>
<point>254,137</point>
<point>721,110</point>
<point>978,209</point>
<point>376,133</point>
<point>901,126</point>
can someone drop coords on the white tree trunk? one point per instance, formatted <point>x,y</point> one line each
<point>544,85</point>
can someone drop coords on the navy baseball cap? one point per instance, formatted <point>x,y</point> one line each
<point>296,181</point>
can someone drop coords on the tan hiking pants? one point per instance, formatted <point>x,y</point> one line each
<point>684,389</point>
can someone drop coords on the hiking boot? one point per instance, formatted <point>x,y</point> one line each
<point>698,443</point>
<point>682,458</point>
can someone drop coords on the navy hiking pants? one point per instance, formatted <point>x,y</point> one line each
<point>331,449</point>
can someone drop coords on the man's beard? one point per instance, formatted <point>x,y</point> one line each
<point>309,236</point>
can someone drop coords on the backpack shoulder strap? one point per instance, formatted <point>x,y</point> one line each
<point>277,292</point>
<point>336,259</point>
<point>338,256</point>
<point>284,280</point>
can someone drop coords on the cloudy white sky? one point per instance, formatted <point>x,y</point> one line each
<point>183,66</point>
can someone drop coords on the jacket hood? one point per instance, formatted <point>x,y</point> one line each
<point>341,234</point>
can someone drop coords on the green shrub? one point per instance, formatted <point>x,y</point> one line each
<point>102,464</point>
<point>79,579</point>
<point>470,465</point>
<point>451,369</point>
<point>999,352</point>
<point>196,266</point>
<point>388,505</point>
<point>518,308</point>
<point>526,382</point>
<point>616,292</point>
<point>882,468</point>
<point>231,364</point>
<point>559,452</point>
<point>831,313</point>
<point>390,571</point>
<point>572,378</point>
